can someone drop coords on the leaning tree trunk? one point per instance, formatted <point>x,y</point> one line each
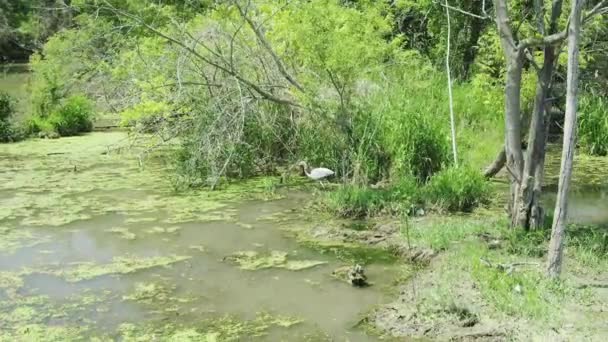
<point>556,246</point>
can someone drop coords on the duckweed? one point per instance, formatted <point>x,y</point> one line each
<point>252,260</point>
<point>119,265</point>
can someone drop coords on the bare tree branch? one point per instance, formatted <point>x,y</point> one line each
<point>265,94</point>
<point>459,10</point>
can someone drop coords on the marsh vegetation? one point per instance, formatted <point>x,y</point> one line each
<point>150,188</point>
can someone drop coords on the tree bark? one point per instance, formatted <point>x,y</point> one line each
<point>530,214</point>
<point>556,246</point>
<point>515,62</point>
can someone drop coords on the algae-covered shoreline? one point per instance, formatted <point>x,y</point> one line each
<point>95,245</point>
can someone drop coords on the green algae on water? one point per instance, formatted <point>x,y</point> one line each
<point>13,239</point>
<point>119,265</point>
<point>163,230</point>
<point>252,260</point>
<point>40,332</point>
<point>150,293</point>
<point>226,328</point>
<point>10,283</point>
<point>123,233</point>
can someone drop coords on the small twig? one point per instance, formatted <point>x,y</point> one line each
<point>513,174</point>
<point>508,268</point>
<point>459,10</point>
<point>531,60</point>
<point>594,285</point>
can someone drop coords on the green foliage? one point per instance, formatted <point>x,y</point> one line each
<point>8,131</point>
<point>458,189</point>
<point>7,107</point>
<point>414,119</point>
<point>71,117</point>
<point>526,292</point>
<point>527,243</point>
<point>355,201</point>
<point>440,234</point>
<point>593,124</point>
<point>588,245</point>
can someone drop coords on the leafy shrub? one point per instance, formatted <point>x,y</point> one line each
<point>7,108</point>
<point>72,117</point>
<point>457,189</point>
<point>8,132</point>
<point>593,124</point>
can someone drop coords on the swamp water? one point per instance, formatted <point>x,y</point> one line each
<point>93,246</point>
<point>588,198</point>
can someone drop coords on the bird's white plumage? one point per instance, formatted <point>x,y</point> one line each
<point>320,173</point>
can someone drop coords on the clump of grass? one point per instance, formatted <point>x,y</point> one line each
<point>593,124</point>
<point>457,189</point>
<point>353,201</point>
<point>453,189</point>
<point>442,234</point>
<point>588,245</point>
<point>526,243</point>
<point>525,291</point>
<point>356,201</point>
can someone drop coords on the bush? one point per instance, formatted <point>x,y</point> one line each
<point>72,117</point>
<point>457,189</point>
<point>8,131</point>
<point>7,108</point>
<point>593,124</point>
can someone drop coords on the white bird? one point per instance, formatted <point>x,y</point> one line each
<point>317,174</point>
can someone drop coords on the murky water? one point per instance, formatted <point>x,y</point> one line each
<point>585,206</point>
<point>13,80</point>
<point>66,218</point>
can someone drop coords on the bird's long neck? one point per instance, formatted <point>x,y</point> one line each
<point>305,168</point>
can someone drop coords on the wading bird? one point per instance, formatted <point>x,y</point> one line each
<point>317,174</point>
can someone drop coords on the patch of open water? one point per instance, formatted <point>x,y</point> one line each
<point>202,286</point>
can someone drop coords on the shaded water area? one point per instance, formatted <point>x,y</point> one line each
<point>93,245</point>
<point>588,198</point>
<point>14,80</point>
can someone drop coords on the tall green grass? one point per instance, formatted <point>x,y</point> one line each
<point>593,124</point>
<point>457,189</point>
<point>454,190</point>
<point>353,201</point>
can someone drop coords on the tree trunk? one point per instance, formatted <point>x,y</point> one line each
<point>530,214</point>
<point>514,57</point>
<point>556,246</point>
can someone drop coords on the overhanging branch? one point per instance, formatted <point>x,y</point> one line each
<point>263,93</point>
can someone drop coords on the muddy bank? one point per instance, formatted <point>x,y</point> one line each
<point>458,281</point>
